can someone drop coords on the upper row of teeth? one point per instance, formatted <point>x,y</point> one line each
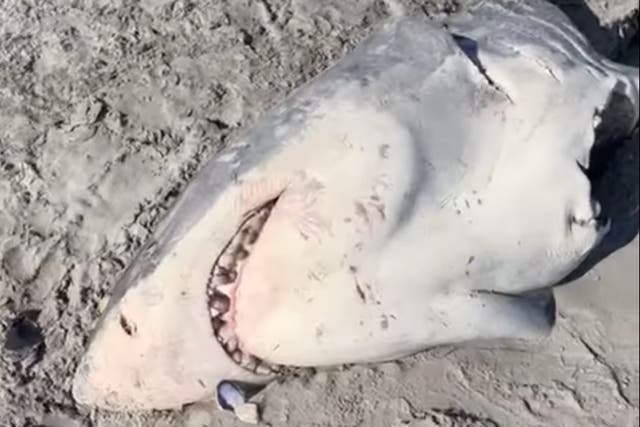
<point>222,284</point>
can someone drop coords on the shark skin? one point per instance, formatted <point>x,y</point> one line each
<point>428,189</point>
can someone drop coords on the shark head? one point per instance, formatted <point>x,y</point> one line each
<point>414,194</point>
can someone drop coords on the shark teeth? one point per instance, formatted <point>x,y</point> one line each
<point>222,285</point>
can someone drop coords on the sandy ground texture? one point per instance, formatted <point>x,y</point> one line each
<point>108,107</point>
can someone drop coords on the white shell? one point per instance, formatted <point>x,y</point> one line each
<point>248,413</point>
<point>424,182</point>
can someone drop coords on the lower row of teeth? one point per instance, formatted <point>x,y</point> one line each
<point>222,284</point>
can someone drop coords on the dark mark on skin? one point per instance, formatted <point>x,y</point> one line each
<point>347,220</point>
<point>127,327</point>
<point>383,150</point>
<point>479,201</point>
<point>380,209</point>
<point>315,276</point>
<point>360,293</point>
<point>353,269</point>
<point>469,261</point>
<point>384,323</point>
<point>466,202</point>
<point>202,383</point>
<point>319,332</point>
<point>361,211</point>
<point>371,294</point>
<point>345,142</point>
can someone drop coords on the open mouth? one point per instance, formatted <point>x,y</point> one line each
<point>222,285</point>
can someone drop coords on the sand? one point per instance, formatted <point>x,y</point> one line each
<point>107,108</point>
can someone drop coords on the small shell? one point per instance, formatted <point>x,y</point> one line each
<point>248,413</point>
<point>230,396</point>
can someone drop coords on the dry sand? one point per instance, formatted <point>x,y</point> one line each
<point>107,107</point>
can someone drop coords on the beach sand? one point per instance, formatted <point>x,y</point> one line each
<point>107,108</point>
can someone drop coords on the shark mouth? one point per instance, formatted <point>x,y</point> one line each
<point>222,285</point>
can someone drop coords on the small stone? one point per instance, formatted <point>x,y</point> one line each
<point>248,413</point>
